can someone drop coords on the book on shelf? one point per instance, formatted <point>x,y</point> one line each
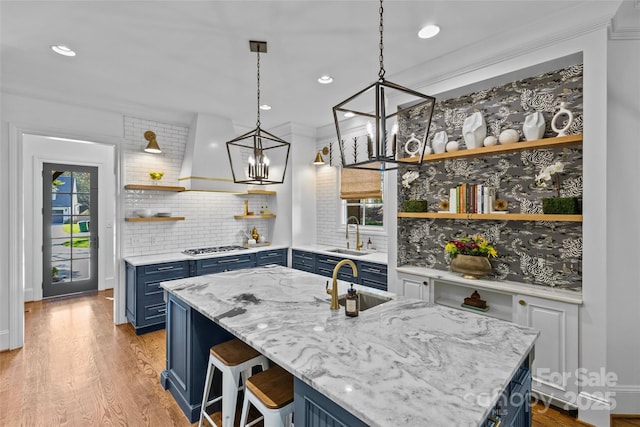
<point>471,198</point>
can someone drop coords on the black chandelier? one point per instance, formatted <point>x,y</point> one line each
<point>370,108</point>
<point>258,157</point>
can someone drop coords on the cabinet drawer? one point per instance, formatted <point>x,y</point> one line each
<point>152,288</point>
<point>276,256</point>
<point>373,273</point>
<point>305,261</point>
<point>373,284</point>
<point>325,265</point>
<point>167,269</point>
<point>155,312</point>
<point>218,265</point>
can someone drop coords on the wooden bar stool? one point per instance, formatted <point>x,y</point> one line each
<point>271,393</point>
<point>234,359</point>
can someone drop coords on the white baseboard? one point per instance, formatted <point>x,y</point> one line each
<point>4,340</point>
<point>627,399</point>
<point>28,294</point>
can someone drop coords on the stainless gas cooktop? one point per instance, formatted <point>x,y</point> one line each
<point>212,250</point>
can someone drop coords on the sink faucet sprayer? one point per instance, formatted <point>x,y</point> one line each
<point>358,242</point>
<point>334,290</point>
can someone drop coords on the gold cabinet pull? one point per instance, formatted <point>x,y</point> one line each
<point>522,302</point>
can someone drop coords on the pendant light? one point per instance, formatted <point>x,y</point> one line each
<point>258,157</point>
<point>382,108</point>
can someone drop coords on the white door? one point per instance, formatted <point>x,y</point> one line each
<point>414,286</point>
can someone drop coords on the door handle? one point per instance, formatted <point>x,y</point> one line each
<point>522,302</point>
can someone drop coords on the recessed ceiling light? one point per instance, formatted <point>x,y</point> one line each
<point>265,107</point>
<point>325,80</point>
<point>428,31</point>
<point>63,50</point>
<point>349,114</point>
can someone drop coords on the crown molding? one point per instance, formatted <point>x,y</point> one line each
<point>625,25</point>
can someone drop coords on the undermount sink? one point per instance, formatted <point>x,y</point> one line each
<point>367,300</point>
<point>347,252</point>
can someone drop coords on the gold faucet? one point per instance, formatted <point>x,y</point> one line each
<point>358,242</point>
<point>334,290</point>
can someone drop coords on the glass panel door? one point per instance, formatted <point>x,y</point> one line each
<point>70,243</point>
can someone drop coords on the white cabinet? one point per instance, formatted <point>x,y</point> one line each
<point>556,358</point>
<point>417,287</point>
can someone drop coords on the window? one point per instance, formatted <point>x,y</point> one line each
<point>369,210</point>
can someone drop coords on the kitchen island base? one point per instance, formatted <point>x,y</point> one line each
<point>190,335</point>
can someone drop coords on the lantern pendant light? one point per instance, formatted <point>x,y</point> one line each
<point>382,108</point>
<point>258,157</point>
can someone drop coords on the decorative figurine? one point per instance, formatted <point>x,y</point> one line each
<point>509,136</point>
<point>533,127</point>
<point>474,129</point>
<point>563,110</point>
<point>439,143</point>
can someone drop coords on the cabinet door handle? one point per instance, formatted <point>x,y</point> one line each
<point>222,261</point>
<point>165,268</point>
<point>272,254</point>
<point>162,310</point>
<point>522,302</point>
<point>425,283</point>
<point>374,270</point>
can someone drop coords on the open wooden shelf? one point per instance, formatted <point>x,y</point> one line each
<point>153,187</point>
<point>263,192</point>
<point>154,219</point>
<point>259,216</point>
<point>559,141</point>
<point>494,216</point>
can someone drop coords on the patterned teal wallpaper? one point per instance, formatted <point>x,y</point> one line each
<point>538,252</point>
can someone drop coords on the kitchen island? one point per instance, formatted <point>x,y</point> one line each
<point>404,362</point>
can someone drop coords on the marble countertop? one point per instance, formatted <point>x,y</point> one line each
<point>564,295</point>
<point>404,362</point>
<point>140,260</point>
<point>372,256</point>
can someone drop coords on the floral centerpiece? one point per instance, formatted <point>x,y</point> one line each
<point>470,256</point>
<point>474,246</point>
<point>556,205</point>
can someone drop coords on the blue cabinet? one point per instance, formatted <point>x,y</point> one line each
<point>146,308</point>
<point>272,256</point>
<point>370,274</point>
<point>190,335</point>
<point>226,263</point>
<point>303,260</point>
<point>373,275</point>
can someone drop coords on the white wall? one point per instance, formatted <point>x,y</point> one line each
<point>36,117</point>
<point>623,222</point>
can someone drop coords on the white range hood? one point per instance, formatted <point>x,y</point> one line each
<point>205,166</point>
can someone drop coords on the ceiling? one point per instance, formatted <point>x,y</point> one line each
<point>177,58</point>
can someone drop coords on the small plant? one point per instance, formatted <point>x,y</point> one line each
<point>474,246</point>
<point>545,175</point>
<point>54,271</point>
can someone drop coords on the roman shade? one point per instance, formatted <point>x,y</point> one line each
<point>358,184</point>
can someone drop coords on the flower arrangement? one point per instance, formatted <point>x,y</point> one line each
<point>409,177</point>
<point>545,175</point>
<point>474,246</point>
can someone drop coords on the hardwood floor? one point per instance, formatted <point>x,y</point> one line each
<point>79,369</point>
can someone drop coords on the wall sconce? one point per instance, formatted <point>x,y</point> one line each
<point>319,160</point>
<point>152,146</point>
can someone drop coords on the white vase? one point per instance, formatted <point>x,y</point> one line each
<point>439,143</point>
<point>533,127</point>
<point>474,129</point>
<point>452,146</point>
<point>562,111</point>
<point>509,136</point>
